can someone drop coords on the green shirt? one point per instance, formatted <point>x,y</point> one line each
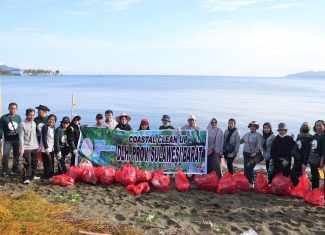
<point>8,127</point>
<point>168,127</point>
<point>60,139</point>
<point>40,122</point>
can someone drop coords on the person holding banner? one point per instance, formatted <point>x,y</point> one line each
<point>110,122</point>
<point>73,136</point>
<point>166,123</point>
<point>61,147</point>
<point>123,124</point>
<point>144,125</point>
<point>47,146</point>
<point>99,121</point>
<point>191,126</point>
<point>215,145</point>
<point>8,128</point>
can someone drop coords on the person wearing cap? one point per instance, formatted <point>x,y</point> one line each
<point>300,152</point>
<point>191,124</point>
<point>99,121</point>
<point>8,128</point>
<point>47,146</point>
<point>123,122</point>
<point>316,152</point>
<point>110,121</point>
<point>231,136</point>
<point>41,119</point>
<point>144,125</point>
<point>252,141</point>
<point>28,146</point>
<point>268,137</point>
<point>61,147</point>
<point>166,123</point>
<point>281,151</point>
<point>73,136</point>
<point>215,145</point>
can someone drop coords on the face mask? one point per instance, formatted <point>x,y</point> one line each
<point>305,130</point>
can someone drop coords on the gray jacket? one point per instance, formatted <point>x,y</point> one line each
<point>27,135</point>
<point>267,151</point>
<point>252,142</point>
<point>234,140</point>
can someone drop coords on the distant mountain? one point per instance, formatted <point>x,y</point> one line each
<point>7,68</point>
<point>308,74</point>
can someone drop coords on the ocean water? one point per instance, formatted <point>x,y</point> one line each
<point>290,100</point>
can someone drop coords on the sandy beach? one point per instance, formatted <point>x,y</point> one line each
<point>194,212</point>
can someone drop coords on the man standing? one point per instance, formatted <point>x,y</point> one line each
<point>28,146</point>
<point>110,121</point>
<point>8,128</point>
<point>73,135</point>
<point>166,123</point>
<point>191,124</point>
<point>100,121</point>
<point>41,120</point>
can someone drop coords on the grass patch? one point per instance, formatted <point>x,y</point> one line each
<point>71,198</point>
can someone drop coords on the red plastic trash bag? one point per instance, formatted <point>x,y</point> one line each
<point>161,182</point>
<point>118,176</point>
<point>261,185</point>
<point>281,185</point>
<point>241,181</point>
<point>207,182</point>
<point>105,175</point>
<point>227,184</point>
<point>75,173</point>
<point>62,180</point>
<point>85,163</point>
<point>88,175</point>
<point>139,188</point>
<point>315,197</point>
<point>302,188</point>
<point>129,174</point>
<point>181,182</point>
<point>157,172</point>
<point>144,176</point>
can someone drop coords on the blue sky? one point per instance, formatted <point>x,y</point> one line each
<point>182,37</point>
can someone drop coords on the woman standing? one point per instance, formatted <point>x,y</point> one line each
<point>252,143</point>
<point>47,146</point>
<point>61,147</point>
<point>300,152</point>
<point>144,125</point>
<point>215,144</point>
<point>123,122</point>
<point>231,145</point>
<point>73,135</point>
<point>317,151</point>
<point>268,137</point>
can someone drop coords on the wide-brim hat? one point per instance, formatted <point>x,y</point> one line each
<point>165,118</point>
<point>282,127</point>
<point>123,115</point>
<point>43,107</point>
<point>254,123</point>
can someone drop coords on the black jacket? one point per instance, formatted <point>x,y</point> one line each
<point>282,148</point>
<point>73,135</point>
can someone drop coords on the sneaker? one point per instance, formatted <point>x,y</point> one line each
<point>251,186</point>
<point>15,173</point>
<point>36,178</point>
<point>3,174</point>
<point>26,181</point>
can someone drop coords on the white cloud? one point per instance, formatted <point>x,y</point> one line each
<point>111,5</point>
<point>283,6</point>
<point>217,5</point>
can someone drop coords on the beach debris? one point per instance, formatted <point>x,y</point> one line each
<point>208,182</point>
<point>302,188</point>
<point>144,176</point>
<point>105,175</point>
<point>261,185</point>
<point>181,182</point>
<point>62,180</point>
<point>161,182</point>
<point>139,188</point>
<point>227,184</point>
<point>315,197</point>
<point>241,181</point>
<point>281,185</point>
<point>129,174</point>
<point>88,175</point>
<point>71,198</point>
<point>249,232</point>
<point>220,230</point>
<point>75,173</point>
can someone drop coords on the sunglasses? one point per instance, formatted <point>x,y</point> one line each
<point>213,122</point>
<point>144,124</point>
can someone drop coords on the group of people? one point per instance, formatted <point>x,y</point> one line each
<point>37,136</point>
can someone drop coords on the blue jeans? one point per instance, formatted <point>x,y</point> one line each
<point>249,167</point>
<point>7,145</point>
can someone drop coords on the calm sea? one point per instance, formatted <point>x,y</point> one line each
<point>290,100</point>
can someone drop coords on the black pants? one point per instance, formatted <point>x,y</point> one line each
<point>30,165</point>
<point>48,164</point>
<point>61,163</point>
<point>269,174</point>
<point>296,171</point>
<point>214,164</point>
<point>278,168</point>
<point>314,176</point>
<point>249,167</point>
<point>230,165</point>
<point>73,159</point>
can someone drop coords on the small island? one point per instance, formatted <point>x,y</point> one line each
<point>11,71</point>
<point>308,74</point>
